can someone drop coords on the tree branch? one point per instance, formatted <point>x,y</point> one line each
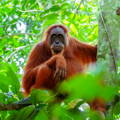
<point>27,101</point>
<point>17,105</point>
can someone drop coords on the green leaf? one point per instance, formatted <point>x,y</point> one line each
<point>25,113</point>
<point>54,8</point>
<point>9,80</point>
<point>42,115</point>
<point>116,109</point>
<point>40,96</point>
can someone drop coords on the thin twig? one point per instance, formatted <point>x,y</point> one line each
<point>73,5</point>
<point>17,49</point>
<point>77,8</point>
<point>29,11</point>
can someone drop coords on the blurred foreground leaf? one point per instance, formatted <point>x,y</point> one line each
<point>9,80</point>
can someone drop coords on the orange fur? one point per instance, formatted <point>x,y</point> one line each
<point>41,64</point>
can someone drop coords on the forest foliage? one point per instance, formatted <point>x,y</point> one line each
<point>22,23</point>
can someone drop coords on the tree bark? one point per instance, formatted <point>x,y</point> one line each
<point>109,35</point>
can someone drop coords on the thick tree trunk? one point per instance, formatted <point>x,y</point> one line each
<point>109,35</point>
